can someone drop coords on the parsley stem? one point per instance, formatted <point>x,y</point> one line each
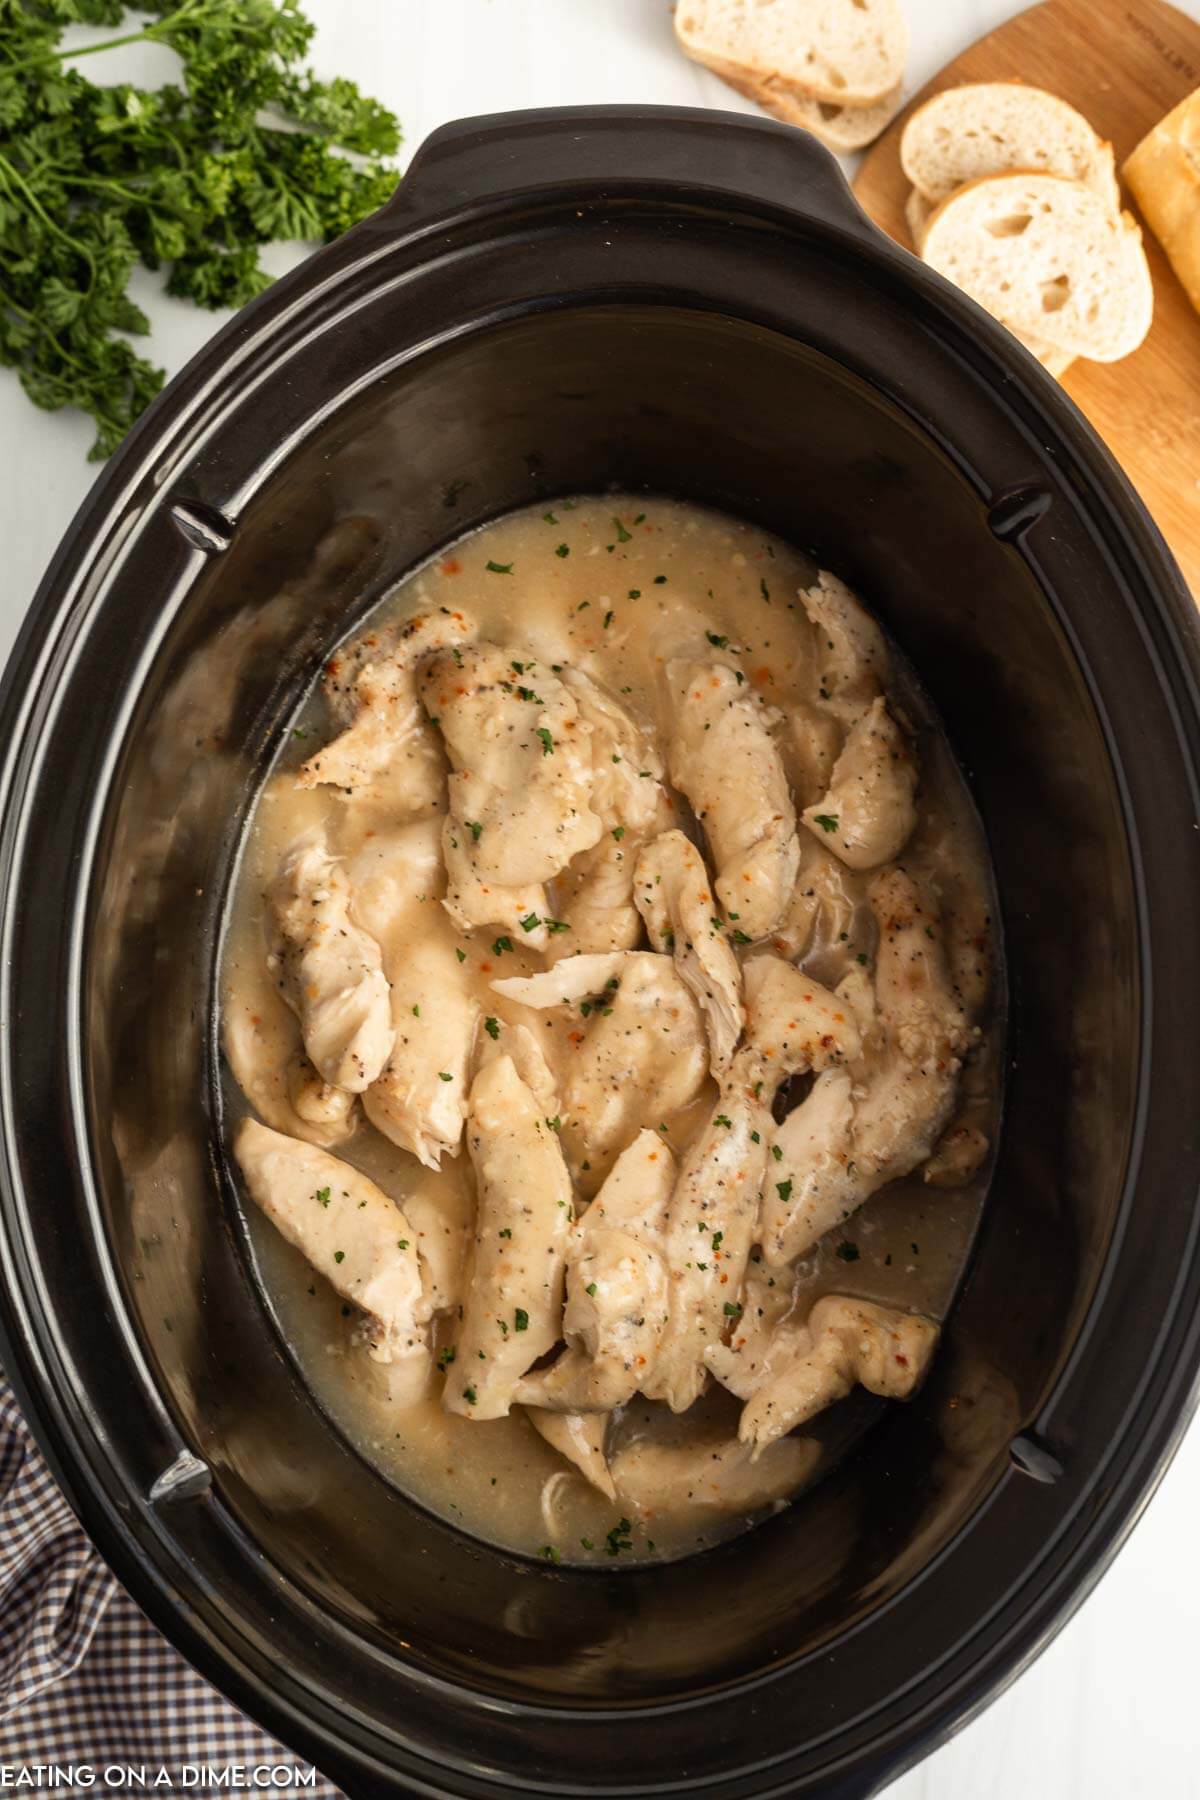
<point>8,173</point>
<point>185,14</point>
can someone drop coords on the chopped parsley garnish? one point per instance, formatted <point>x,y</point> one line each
<point>590,1289</point>
<point>741,937</point>
<point>555,1124</point>
<point>492,1027</point>
<point>587,1543</point>
<point>860,958</point>
<point>618,832</point>
<point>322,1196</point>
<point>469,1395</point>
<point>731,1309</point>
<point>784,1190</point>
<point>756,1137</point>
<point>547,741</point>
<point>520,1319</point>
<point>507,1232</point>
<point>618,1538</point>
<point>635,593</point>
<point>500,945</point>
<point>563,550</point>
<point>461,954</point>
<point>446,1357</point>
<point>553,925</point>
<point>297,733</point>
<point>846,1251</point>
<point>475,830</point>
<point>524,693</point>
<point>520,667</point>
<point>827,821</point>
<point>530,922</point>
<point>623,536</point>
<point>495,568</point>
<point>550,1553</point>
<point>608,618</point>
<point>716,640</point>
<point>402,1243</point>
<point>339,1256</point>
<point>776,1152</point>
<point>718,1238</point>
<point>658,580</point>
<point>550,518</point>
<point>724,1119</point>
<point>445,1075</point>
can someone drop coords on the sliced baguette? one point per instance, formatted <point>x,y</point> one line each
<point>838,127</point>
<point>1164,173</point>
<point>918,213</point>
<point>993,127</point>
<point>845,52</point>
<point>1048,256</point>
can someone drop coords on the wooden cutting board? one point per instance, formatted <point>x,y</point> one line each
<point>1123,63</point>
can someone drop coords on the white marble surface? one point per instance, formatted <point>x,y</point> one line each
<point>1109,1712</point>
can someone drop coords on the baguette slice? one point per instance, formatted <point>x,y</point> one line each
<point>1048,256</point>
<point>994,127</point>
<point>1164,173</point>
<point>839,127</point>
<point>846,52</point>
<point>918,212</point>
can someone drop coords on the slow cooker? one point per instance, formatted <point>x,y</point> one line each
<point>689,304</point>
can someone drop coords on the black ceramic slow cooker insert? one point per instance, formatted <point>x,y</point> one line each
<point>686,304</point>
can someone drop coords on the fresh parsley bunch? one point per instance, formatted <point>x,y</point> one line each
<point>192,177</point>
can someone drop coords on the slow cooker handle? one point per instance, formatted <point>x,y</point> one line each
<point>595,152</point>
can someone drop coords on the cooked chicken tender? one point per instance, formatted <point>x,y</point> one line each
<point>638,1053</point>
<point>371,687</point>
<point>594,896</point>
<point>724,757</point>
<point>580,1438</point>
<point>674,896</point>
<point>513,1309</point>
<point>711,1225</point>
<point>331,970</point>
<point>419,1097</point>
<point>719,1475</point>
<point>958,1158</point>
<point>845,1342</point>
<point>845,1141</point>
<point>821,913</point>
<point>851,651</point>
<point>521,783</point>
<point>330,1110</point>
<point>868,814</point>
<point>810,749</point>
<point>260,1035</point>
<point>616,1288</point>
<point>794,1023</point>
<point>352,1234</point>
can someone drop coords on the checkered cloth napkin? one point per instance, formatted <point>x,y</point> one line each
<point>85,1679</point>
